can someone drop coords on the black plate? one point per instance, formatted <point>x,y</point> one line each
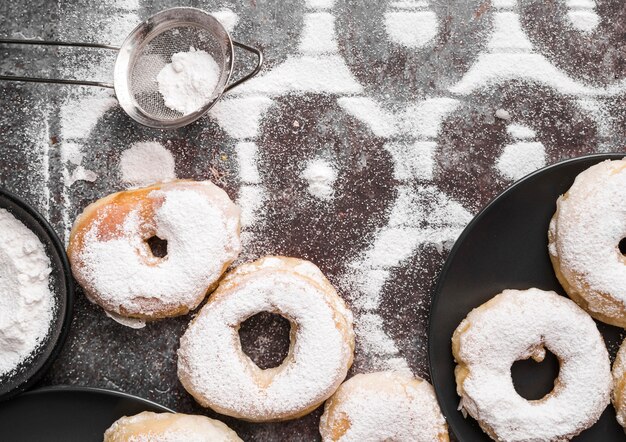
<point>62,287</point>
<point>505,246</point>
<point>67,414</point>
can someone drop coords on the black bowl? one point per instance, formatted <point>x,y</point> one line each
<point>62,286</point>
<point>67,414</point>
<point>506,246</point>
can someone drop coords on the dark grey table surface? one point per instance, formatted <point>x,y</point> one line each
<point>399,97</point>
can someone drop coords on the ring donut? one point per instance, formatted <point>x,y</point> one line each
<point>113,262</point>
<point>169,427</point>
<point>584,237</point>
<point>214,370</point>
<point>517,325</point>
<point>619,385</point>
<point>383,406</point>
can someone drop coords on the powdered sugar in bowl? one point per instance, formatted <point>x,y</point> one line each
<point>36,295</point>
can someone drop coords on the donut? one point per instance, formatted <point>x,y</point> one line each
<point>214,370</point>
<point>583,241</point>
<point>619,385</point>
<point>169,427</point>
<point>383,406</point>
<point>522,324</point>
<point>112,261</point>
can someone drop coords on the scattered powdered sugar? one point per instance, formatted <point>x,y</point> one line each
<point>521,132</point>
<point>318,35</point>
<point>383,406</point>
<point>320,175</point>
<point>201,240</point>
<point>307,73</point>
<point>517,325</point>
<point>250,201</point>
<point>412,160</point>
<point>589,225</point>
<point>582,14</point>
<point>585,21</point>
<point>26,302</point>
<point>511,56</point>
<point>189,81</point>
<point>320,4</point>
<point>373,341</point>
<point>521,158</point>
<point>421,215</point>
<point>503,114</point>
<point>240,117</point>
<point>218,374</point>
<point>81,174</point>
<point>247,159</point>
<point>412,29</point>
<point>147,162</point>
<point>71,153</point>
<point>227,18</point>
<point>80,115</point>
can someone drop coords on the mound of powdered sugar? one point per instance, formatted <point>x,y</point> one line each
<point>188,82</point>
<point>26,302</point>
<point>147,162</point>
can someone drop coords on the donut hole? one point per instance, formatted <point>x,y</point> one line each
<point>158,246</point>
<point>533,380</point>
<point>265,339</point>
<point>622,246</point>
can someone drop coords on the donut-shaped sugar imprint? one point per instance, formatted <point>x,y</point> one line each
<point>214,370</point>
<point>517,325</point>
<point>383,406</point>
<point>112,260</point>
<point>471,159</point>
<point>584,241</point>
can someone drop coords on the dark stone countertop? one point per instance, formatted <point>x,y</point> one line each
<point>404,113</point>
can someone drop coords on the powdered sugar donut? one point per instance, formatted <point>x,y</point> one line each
<point>169,427</point>
<point>114,264</point>
<point>584,237</point>
<point>214,369</point>
<point>516,325</point>
<point>619,385</point>
<point>383,406</point>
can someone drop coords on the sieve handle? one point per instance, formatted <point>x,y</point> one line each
<point>12,41</point>
<point>255,71</point>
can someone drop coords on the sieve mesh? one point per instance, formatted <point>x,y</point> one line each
<point>157,51</point>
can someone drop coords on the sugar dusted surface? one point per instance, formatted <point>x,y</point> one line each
<point>444,153</point>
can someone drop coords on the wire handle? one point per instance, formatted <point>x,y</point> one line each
<point>255,71</point>
<point>12,41</point>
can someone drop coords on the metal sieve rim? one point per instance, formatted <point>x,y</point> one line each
<point>143,35</point>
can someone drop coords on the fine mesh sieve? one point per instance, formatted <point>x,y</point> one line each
<point>148,49</point>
